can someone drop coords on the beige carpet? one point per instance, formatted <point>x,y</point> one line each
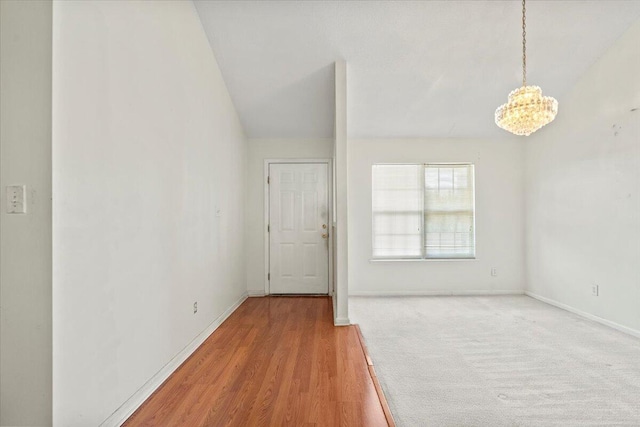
<point>498,361</point>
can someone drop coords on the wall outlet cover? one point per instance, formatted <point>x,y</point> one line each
<point>16,199</point>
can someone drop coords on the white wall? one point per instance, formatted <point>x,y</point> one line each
<point>260,150</point>
<point>25,240</point>
<point>146,147</point>
<point>499,219</point>
<point>341,229</point>
<point>583,192</point>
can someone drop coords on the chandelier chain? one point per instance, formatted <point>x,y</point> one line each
<point>524,44</point>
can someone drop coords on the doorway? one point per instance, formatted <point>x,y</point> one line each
<point>298,214</point>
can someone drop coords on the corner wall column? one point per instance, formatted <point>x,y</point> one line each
<point>341,295</point>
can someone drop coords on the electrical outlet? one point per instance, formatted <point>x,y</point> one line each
<point>594,290</point>
<point>16,199</point>
<point>195,307</point>
<point>494,272</point>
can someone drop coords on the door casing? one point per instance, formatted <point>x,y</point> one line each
<point>267,245</point>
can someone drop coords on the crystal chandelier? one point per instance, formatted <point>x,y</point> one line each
<point>526,110</point>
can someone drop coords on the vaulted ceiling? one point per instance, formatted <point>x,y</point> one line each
<point>415,69</point>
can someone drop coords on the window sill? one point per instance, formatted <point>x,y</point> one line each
<point>374,260</point>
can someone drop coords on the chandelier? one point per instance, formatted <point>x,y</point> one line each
<point>526,110</point>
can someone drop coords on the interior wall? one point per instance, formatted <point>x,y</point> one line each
<point>148,179</point>
<point>25,239</point>
<point>499,180</point>
<point>583,192</point>
<point>260,150</point>
<point>341,229</point>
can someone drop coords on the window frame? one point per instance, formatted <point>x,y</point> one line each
<point>423,256</point>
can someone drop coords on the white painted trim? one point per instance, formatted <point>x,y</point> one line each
<point>433,293</point>
<point>267,248</point>
<point>338,321</point>
<point>614,325</point>
<point>341,321</point>
<point>376,260</point>
<point>254,293</point>
<point>138,398</point>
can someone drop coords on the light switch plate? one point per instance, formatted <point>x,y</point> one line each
<point>16,199</point>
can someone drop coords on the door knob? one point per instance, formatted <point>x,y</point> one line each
<point>324,235</point>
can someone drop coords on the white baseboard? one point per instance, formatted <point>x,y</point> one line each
<point>338,321</point>
<point>433,293</point>
<point>341,321</point>
<point>255,293</point>
<point>138,398</point>
<point>586,315</point>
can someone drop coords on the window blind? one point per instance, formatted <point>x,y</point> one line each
<point>448,211</point>
<point>423,211</point>
<point>397,211</point>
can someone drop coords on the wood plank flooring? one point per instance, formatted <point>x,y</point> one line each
<point>276,361</point>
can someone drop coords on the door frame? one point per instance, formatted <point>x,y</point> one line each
<point>267,243</point>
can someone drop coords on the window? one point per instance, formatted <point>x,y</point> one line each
<point>423,211</point>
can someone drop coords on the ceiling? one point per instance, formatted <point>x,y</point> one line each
<point>415,69</point>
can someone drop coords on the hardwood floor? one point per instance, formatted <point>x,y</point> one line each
<point>276,361</point>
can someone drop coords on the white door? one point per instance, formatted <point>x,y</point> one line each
<point>299,228</point>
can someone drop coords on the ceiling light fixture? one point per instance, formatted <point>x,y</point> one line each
<point>526,110</point>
